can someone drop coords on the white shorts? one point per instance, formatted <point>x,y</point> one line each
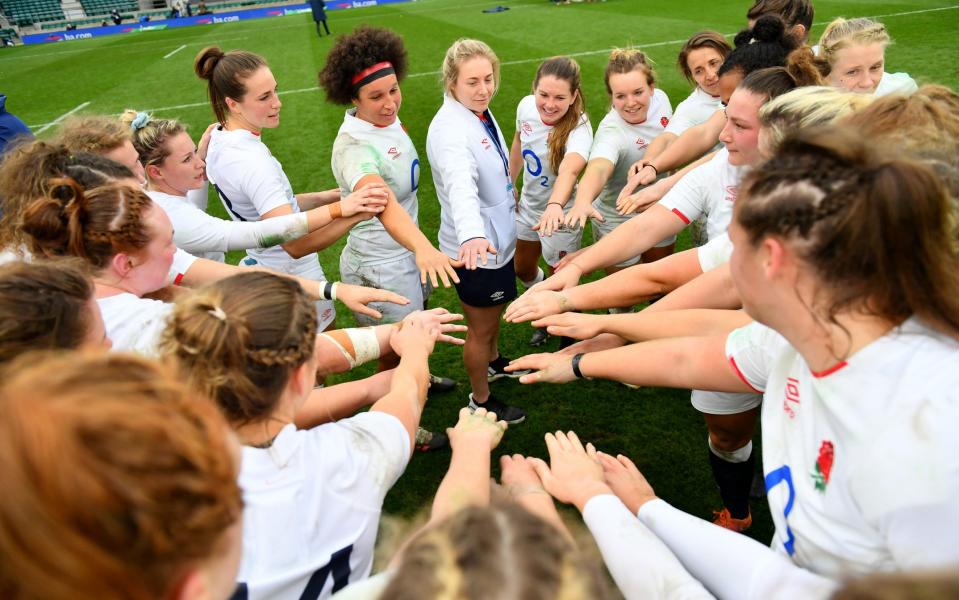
<point>612,220</point>
<point>325,311</point>
<point>724,403</point>
<point>400,276</point>
<point>555,246</point>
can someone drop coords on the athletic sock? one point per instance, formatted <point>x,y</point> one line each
<point>733,472</point>
<point>540,276</point>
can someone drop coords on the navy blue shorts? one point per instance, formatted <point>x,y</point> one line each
<point>487,287</point>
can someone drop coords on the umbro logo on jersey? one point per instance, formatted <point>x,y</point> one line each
<point>731,192</point>
<point>664,121</point>
<point>497,295</point>
<point>393,153</point>
<point>527,128</point>
<point>641,142</point>
<point>486,143</point>
<point>792,397</point>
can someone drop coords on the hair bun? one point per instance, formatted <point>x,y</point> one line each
<point>65,190</point>
<point>769,29</point>
<point>206,62</point>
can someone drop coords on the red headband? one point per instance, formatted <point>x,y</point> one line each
<point>372,70</point>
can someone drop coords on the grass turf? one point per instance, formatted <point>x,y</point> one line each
<point>657,428</point>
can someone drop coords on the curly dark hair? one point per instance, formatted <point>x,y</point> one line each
<point>767,44</point>
<point>352,53</point>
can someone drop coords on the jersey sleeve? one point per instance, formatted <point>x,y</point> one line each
<point>714,253</point>
<point>607,143</point>
<point>729,564</point>
<point>580,139</point>
<point>182,261</point>
<point>682,118</point>
<point>375,449</point>
<point>197,231</point>
<point>687,200</point>
<point>641,565</point>
<point>353,159</point>
<point>751,351</point>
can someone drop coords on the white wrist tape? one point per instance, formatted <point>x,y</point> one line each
<point>357,345</point>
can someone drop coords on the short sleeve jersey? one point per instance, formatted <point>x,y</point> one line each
<point>694,110</point>
<point>715,253</point>
<point>362,149</point>
<point>538,175</point>
<point>623,144</point>
<point>846,448</point>
<point>312,504</point>
<point>708,190</point>
<point>134,324</point>
<point>250,182</point>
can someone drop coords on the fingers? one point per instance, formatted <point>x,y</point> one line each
<point>392,298</point>
<point>595,214</point>
<point>366,310</point>
<point>530,361</point>
<point>541,469</point>
<point>490,248</point>
<point>483,256</point>
<point>591,451</point>
<point>630,465</point>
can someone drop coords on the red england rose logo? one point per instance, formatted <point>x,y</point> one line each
<point>824,462</point>
<point>664,121</point>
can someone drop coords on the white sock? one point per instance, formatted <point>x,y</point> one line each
<point>540,276</point>
<point>739,455</point>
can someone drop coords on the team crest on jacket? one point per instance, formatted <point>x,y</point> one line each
<point>664,121</point>
<point>820,476</point>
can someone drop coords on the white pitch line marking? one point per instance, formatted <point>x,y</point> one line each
<point>169,54</point>
<point>60,118</point>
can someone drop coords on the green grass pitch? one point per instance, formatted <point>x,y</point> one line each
<point>146,71</point>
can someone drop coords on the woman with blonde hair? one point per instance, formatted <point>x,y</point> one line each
<point>122,483</point>
<point>470,164</point>
<point>852,56</point>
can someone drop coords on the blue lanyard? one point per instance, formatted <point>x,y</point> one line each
<point>490,125</point>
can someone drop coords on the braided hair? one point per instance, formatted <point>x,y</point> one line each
<point>874,230</point>
<point>238,340</point>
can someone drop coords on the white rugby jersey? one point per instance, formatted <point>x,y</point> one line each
<point>471,173</point>
<point>538,176</point>
<point>861,461</point>
<point>362,149</point>
<point>709,190</point>
<point>895,83</point>
<point>312,503</point>
<point>209,237</point>
<point>694,110</point>
<point>134,324</point>
<point>250,183</point>
<point>623,144</point>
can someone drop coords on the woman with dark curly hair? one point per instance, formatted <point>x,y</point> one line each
<point>364,69</point>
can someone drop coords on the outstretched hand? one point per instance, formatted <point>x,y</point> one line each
<point>574,474</point>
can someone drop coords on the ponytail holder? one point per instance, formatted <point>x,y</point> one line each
<point>753,40</point>
<point>217,312</point>
<point>140,121</point>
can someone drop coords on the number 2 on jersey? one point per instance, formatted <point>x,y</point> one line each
<point>529,154</point>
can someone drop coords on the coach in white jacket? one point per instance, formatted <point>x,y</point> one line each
<point>470,163</point>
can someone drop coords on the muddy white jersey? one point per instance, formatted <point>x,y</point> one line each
<point>708,190</point>
<point>362,149</point>
<point>623,143</point>
<point>538,175</point>
<point>861,461</point>
<point>694,110</point>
